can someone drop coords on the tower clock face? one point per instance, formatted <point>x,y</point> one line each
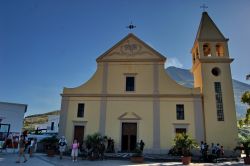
<point>216,71</point>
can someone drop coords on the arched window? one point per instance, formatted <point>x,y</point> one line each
<point>219,50</point>
<point>196,52</point>
<point>206,50</point>
<point>193,58</point>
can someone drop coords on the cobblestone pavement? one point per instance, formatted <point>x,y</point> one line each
<point>8,159</point>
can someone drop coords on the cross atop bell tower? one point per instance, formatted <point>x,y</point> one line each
<point>204,7</point>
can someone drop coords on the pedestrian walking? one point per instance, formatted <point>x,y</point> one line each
<point>21,149</point>
<point>62,145</point>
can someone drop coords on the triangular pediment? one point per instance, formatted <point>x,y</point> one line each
<point>129,116</point>
<point>208,29</point>
<point>131,48</point>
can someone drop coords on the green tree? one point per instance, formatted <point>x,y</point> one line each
<point>240,123</point>
<point>247,118</point>
<point>246,100</point>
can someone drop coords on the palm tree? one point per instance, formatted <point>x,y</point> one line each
<point>95,144</point>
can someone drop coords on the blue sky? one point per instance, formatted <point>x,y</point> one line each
<point>46,45</point>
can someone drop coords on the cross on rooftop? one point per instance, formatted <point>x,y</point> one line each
<point>131,26</point>
<point>204,7</point>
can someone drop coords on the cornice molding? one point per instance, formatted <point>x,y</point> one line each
<point>132,60</point>
<point>136,95</point>
<point>211,60</point>
<point>215,60</point>
<point>213,40</point>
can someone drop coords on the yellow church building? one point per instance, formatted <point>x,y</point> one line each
<point>130,97</point>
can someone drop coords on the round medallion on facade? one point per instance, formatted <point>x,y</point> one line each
<point>216,71</point>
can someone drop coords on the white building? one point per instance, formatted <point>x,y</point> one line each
<point>11,118</point>
<point>53,123</point>
<point>51,126</point>
<point>42,127</point>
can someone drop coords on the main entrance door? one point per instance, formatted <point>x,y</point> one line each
<point>129,136</point>
<point>79,133</point>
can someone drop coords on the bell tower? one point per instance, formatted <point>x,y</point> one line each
<point>212,74</point>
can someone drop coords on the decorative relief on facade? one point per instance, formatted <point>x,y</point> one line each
<point>130,50</point>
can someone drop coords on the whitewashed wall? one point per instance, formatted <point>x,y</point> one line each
<point>13,114</point>
<point>55,119</point>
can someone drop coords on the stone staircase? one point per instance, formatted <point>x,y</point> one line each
<point>149,157</point>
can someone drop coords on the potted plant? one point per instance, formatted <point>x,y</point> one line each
<point>137,156</point>
<point>50,144</point>
<point>245,142</point>
<point>184,144</point>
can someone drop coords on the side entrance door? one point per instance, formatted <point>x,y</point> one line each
<point>79,133</point>
<point>129,137</point>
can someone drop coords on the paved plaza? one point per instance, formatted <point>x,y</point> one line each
<point>8,159</point>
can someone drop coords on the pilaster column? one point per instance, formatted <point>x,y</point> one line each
<point>63,116</point>
<point>103,100</point>
<point>213,49</point>
<point>199,120</point>
<point>156,108</point>
<point>200,48</point>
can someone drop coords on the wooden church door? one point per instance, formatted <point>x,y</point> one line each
<point>129,136</point>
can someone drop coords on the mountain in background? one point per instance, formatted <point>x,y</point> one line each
<point>185,77</point>
<point>181,76</point>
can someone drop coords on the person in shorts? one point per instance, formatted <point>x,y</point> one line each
<point>62,146</point>
<point>21,149</point>
<point>74,152</point>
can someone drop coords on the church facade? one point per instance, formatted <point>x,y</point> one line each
<point>130,97</point>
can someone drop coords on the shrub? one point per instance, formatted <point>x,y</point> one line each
<point>184,143</point>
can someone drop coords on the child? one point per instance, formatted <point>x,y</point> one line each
<point>74,152</point>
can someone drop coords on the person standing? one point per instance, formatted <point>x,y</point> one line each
<point>74,152</point>
<point>202,147</point>
<point>213,148</point>
<point>21,149</point>
<point>62,145</point>
<point>221,151</point>
<point>32,146</point>
<point>142,144</point>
